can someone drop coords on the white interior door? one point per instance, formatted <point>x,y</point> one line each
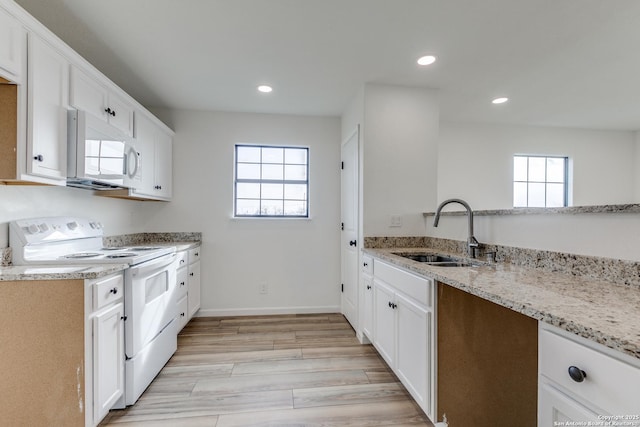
<point>350,245</point>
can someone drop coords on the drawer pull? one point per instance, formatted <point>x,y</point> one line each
<point>113,291</point>
<point>577,374</point>
<point>368,287</point>
<point>365,264</point>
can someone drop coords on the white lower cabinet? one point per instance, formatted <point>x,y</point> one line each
<point>581,381</point>
<point>556,408</point>
<point>104,345</point>
<point>384,322</point>
<point>188,289</point>
<point>193,295</point>
<point>108,359</point>
<point>413,328</point>
<point>403,330</point>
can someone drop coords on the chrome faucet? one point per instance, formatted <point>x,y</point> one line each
<point>472,243</point>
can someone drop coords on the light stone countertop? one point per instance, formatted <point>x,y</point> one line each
<point>601,311</point>
<point>62,272</point>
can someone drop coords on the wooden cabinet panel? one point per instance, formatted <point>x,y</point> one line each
<point>42,341</point>
<point>487,362</point>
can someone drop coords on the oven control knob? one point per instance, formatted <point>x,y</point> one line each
<point>43,227</point>
<point>72,225</point>
<point>33,229</point>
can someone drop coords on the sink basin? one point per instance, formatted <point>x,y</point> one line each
<point>428,257</point>
<point>436,260</point>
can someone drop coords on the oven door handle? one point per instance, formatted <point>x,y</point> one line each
<point>154,265</point>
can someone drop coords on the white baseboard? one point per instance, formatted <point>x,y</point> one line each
<point>226,312</point>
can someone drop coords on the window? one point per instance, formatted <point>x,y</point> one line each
<point>271,181</point>
<point>540,181</point>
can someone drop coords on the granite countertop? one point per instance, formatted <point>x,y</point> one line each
<point>54,272</point>
<point>601,311</point>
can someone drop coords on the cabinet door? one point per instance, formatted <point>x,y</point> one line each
<point>413,358</point>
<point>164,169</point>
<point>183,312</point>
<point>556,408</point>
<point>385,323</point>
<point>48,77</point>
<point>367,318</point>
<point>122,113</point>
<point>194,288</point>
<point>145,144</point>
<point>87,94</point>
<point>108,360</point>
<point>10,46</point>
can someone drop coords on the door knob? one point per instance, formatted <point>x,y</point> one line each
<point>352,242</point>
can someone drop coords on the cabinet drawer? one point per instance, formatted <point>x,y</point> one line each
<point>183,315</point>
<point>108,291</point>
<point>611,384</point>
<point>418,288</point>
<point>194,255</point>
<point>367,264</point>
<point>182,281</point>
<point>183,259</point>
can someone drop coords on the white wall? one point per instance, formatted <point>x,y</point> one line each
<point>298,259</point>
<point>475,162</point>
<point>25,201</point>
<point>400,138</point>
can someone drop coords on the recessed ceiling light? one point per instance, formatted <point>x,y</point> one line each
<point>265,88</point>
<point>426,60</point>
<point>501,100</point>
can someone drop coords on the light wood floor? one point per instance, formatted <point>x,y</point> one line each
<point>290,370</point>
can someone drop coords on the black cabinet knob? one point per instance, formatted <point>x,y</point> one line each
<point>113,291</point>
<point>181,283</point>
<point>365,264</point>
<point>577,374</point>
<point>352,243</point>
<point>368,287</point>
<point>124,318</point>
<point>191,274</point>
<point>38,157</point>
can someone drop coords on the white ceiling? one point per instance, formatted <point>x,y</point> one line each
<point>572,63</point>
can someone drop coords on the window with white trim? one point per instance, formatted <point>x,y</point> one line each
<point>271,181</point>
<point>540,181</point>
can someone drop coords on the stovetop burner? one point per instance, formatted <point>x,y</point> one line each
<point>81,255</point>
<point>121,255</point>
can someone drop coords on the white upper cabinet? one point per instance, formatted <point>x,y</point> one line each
<point>47,105</point>
<point>89,94</point>
<point>155,147</point>
<point>11,41</point>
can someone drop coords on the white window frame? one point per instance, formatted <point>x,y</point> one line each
<point>565,182</point>
<point>283,181</point>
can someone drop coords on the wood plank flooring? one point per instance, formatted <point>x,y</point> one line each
<point>287,370</point>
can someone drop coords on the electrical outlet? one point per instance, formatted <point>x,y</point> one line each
<point>395,221</point>
<point>263,288</point>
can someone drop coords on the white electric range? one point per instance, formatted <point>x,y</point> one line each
<point>149,290</point>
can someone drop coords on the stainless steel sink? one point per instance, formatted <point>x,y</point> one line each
<point>436,260</point>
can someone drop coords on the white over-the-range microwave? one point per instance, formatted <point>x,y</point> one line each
<point>99,155</point>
